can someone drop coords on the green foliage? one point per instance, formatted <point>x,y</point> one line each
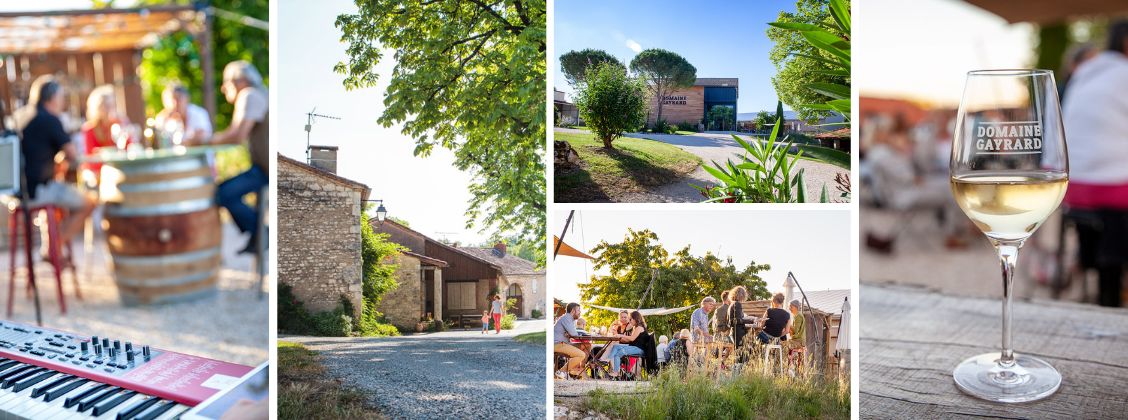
<point>766,173</point>
<point>634,165</point>
<point>436,325</point>
<point>469,77</point>
<point>292,315</point>
<point>507,321</point>
<point>375,253</point>
<point>175,57</point>
<point>610,102</point>
<point>686,126</point>
<point>576,64</point>
<point>332,324</point>
<point>537,314</point>
<point>534,338</point>
<point>664,71</point>
<point>780,123</point>
<point>524,249</point>
<point>812,57</point>
<point>373,324</point>
<point>682,279</point>
<point>722,117</point>
<point>762,120</point>
<point>662,127</point>
<point>295,319</point>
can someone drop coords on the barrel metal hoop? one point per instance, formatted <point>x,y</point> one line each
<point>169,166</point>
<point>170,281</point>
<point>180,207</point>
<point>171,185</point>
<point>157,260</point>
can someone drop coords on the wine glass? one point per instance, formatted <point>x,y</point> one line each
<point>1009,172</point>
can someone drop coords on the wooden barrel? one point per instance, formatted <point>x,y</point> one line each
<point>163,228</point>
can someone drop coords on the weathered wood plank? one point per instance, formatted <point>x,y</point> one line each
<point>911,339</point>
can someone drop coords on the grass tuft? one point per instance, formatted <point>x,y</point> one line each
<point>304,391</point>
<point>532,338</point>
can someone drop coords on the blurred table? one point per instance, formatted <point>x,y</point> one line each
<point>912,338</point>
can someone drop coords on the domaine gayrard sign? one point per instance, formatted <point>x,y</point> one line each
<point>1020,138</point>
<point>673,100</point>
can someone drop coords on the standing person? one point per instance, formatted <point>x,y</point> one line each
<point>1095,115</point>
<point>739,294</point>
<point>485,322</point>
<point>776,320</point>
<point>181,115</point>
<point>722,328</point>
<point>699,325</point>
<point>632,343</point>
<point>497,309</point>
<point>562,334</point>
<point>43,140</point>
<point>242,86</point>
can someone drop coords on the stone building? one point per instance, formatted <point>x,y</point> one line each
<point>319,235</point>
<point>439,281</point>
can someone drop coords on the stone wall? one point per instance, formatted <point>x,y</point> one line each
<point>686,105</point>
<point>402,306</point>
<point>532,292</point>
<point>318,237</point>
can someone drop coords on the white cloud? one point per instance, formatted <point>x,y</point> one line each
<point>634,46</point>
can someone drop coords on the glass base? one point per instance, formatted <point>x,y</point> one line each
<point>1027,379</point>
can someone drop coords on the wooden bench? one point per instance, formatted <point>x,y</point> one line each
<point>912,338</point>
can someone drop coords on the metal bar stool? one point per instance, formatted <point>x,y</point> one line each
<point>55,248</point>
<point>773,347</point>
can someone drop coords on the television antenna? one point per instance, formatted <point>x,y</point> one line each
<point>312,116</point>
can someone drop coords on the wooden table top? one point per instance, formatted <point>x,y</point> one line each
<point>911,340</point>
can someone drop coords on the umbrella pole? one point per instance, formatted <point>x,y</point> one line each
<point>564,232</point>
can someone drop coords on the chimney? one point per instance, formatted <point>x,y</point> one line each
<point>788,290</point>
<point>499,249</point>
<point>323,157</point>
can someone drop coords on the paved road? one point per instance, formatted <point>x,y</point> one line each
<point>717,147</point>
<point>452,374</point>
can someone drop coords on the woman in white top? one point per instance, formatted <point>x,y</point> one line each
<point>180,117</point>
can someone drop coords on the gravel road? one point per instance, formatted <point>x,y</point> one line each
<point>717,147</point>
<point>453,374</point>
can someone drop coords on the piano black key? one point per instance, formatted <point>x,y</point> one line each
<point>97,397</point>
<point>7,364</point>
<point>35,393</point>
<point>156,410</point>
<point>110,403</point>
<point>78,398</point>
<point>15,371</point>
<point>19,377</point>
<point>24,384</point>
<point>137,408</point>
<point>55,393</point>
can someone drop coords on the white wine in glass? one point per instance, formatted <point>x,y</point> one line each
<point>1009,172</point>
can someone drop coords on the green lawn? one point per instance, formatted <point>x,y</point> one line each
<point>685,133</point>
<point>305,392</point>
<point>633,165</point>
<point>532,338</point>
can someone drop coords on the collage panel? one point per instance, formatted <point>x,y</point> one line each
<point>411,209</point>
<point>697,313</point>
<point>722,102</point>
<point>1001,161</point>
<point>133,176</point>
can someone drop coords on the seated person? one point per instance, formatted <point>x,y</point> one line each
<point>663,345</point>
<point>98,130</point>
<point>699,322</point>
<point>180,115</point>
<point>776,321</point>
<point>632,344</point>
<point>562,334</point>
<point>44,141</point>
<point>581,327</point>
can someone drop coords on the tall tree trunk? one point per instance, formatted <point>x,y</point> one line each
<point>607,142</point>
<point>660,93</point>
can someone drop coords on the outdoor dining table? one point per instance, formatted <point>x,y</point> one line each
<point>592,360</point>
<point>913,338</point>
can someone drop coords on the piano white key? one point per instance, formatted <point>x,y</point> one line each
<point>174,412</point>
<point>55,407</point>
<point>9,397</point>
<point>21,402</point>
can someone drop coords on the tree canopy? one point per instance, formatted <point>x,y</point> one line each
<point>799,64</point>
<point>469,77</point>
<point>610,102</point>
<point>664,71</point>
<point>680,279</point>
<point>576,64</point>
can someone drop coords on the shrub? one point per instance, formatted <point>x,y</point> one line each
<point>507,321</point>
<point>537,314</point>
<point>686,126</point>
<point>566,121</point>
<point>333,324</point>
<point>610,102</point>
<point>661,126</point>
<point>437,326</point>
<point>292,315</point>
<point>373,324</point>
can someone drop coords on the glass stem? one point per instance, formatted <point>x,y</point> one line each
<point>1008,256</point>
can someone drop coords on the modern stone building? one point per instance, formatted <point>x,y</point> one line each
<point>319,234</point>
<point>439,281</point>
<point>693,104</point>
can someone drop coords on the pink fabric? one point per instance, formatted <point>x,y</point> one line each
<point>1093,196</point>
<point>497,322</point>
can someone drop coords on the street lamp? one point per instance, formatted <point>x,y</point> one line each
<point>381,212</point>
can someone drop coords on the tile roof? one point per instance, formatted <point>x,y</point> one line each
<point>510,264</point>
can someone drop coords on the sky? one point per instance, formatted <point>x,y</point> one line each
<point>813,244</point>
<point>428,192</point>
<point>923,49</point>
<point>720,38</point>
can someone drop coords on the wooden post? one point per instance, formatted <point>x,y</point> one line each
<point>207,61</point>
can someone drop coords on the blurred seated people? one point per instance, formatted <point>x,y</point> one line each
<point>1074,56</point>
<point>776,321</point>
<point>103,127</point>
<point>48,151</point>
<point>562,334</point>
<point>581,326</point>
<point>1095,115</point>
<point>797,328</point>
<point>620,325</point>
<point>242,86</point>
<point>632,343</point>
<point>899,185</point>
<point>181,117</point>
<point>677,352</point>
<point>663,346</point>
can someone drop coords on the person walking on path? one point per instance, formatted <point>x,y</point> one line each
<point>497,309</point>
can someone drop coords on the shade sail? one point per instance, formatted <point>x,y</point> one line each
<point>568,250</point>
<point>92,30</point>
<point>1049,11</point>
<point>645,312</point>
